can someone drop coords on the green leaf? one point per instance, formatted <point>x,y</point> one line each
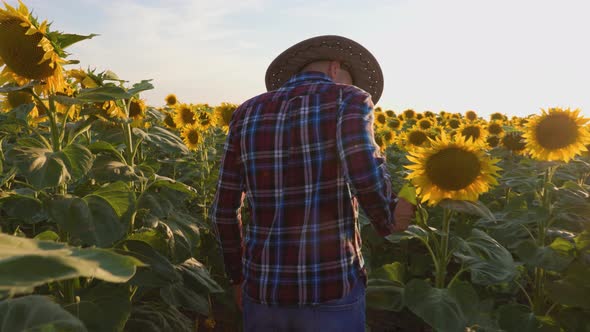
<point>89,221</point>
<point>179,296</point>
<point>106,147</point>
<point>162,181</point>
<point>157,317</point>
<point>103,93</point>
<point>13,88</point>
<point>107,170</point>
<point>40,166</point>
<point>474,208</point>
<point>435,306</point>
<point>118,195</point>
<point>519,318</point>
<point>197,277</point>
<point>25,208</point>
<point>486,259</point>
<point>66,39</point>
<point>37,313</point>
<point>186,235</point>
<point>141,86</point>
<point>545,257</point>
<point>104,307</point>
<point>573,289</point>
<point>394,272</point>
<point>78,159</point>
<point>384,295</point>
<point>26,263</point>
<point>162,139</point>
<point>159,272</point>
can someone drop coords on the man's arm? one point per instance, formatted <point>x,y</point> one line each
<point>363,163</point>
<point>225,210</point>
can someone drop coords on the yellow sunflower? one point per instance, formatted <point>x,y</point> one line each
<point>497,116</point>
<point>473,131</point>
<point>514,142</point>
<point>454,123</point>
<point>413,138</point>
<point>394,124</point>
<point>223,114</point>
<point>204,117</point>
<point>454,169</point>
<point>171,99</point>
<point>495,128</point>
<point>425,124</point>
<point>192,136</point>
<point>15,99</point>
<point>557,134</point>
<point>29,51</point>
<point>390,113</point>
<point>409,114</point>
<point>184,115</point>
<point>471,115</point>
<point>384,137</point>
<point>380,119</point>
<point>86,80</point>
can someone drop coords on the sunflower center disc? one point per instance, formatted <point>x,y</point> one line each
<point>453,168</point>
<point>193,137</point>
<point>21,52</point>
<point>556,131</point>
<point>187,116</point>
<point>417,138</point>
<point>472,132</point>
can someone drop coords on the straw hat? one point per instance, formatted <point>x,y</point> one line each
<point>362,65</point>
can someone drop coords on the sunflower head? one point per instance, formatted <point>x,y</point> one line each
<point>29,51</point>
<point>171,99</point>
<point>493,141</point>
<point>390,114</point>
<point>429,114</point>
<point>495,128</point>
<point>204,118</point>
<point>454,123</point>
<point>451,169</point>
<point>16,98</point>
<point>473,131</point>
<point>184,115</point>
<point>497,116</point>
<point>380,119</point>
<point>425,124</point>
<point>169,121</point>
<point>394,124</point>
<point>223,114</point>
<point>514,141</point>
<point>192,136</point>
<point>471,115</point>
<point>409,114</point>
<point>557,134</point>
<point>414,138</point>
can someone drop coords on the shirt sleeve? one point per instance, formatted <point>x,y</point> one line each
<point>225,209</point>
<point>363,163</point>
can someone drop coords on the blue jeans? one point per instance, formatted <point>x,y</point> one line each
<point>341,315</point>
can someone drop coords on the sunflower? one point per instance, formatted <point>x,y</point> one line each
<point>473,131</point>
<point>169,121</point>
<point>16,98</point>
<point>425,124</point>
<point>171,99</point>
<point>471,115</point>
<point>497,116</point>
<point>429,114</point>
<point>204,116</point>
<point>390,114</point>
<point>493,141</point>
<point>184,115</point>
<point>557,134</point>
<point>380,119</point>
<point>223,114</point>
<point>409,114</point>
<point>386,136</point>
<point>454,123</point>
<point>451,169</point>
<point>394,123</point>
<point>85,79</point>
<point>514,142</point>
<point>192,136</point>
<point>414,138</point>
<point>495,128</point>
<point>29,51</point>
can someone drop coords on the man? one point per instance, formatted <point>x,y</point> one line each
<point>305,156</point>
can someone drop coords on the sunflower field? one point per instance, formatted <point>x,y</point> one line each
<point>104,208</point>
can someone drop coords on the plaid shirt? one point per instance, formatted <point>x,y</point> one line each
<point>301,155</point>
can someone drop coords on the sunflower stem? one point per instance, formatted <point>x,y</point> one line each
<point>441,272</point>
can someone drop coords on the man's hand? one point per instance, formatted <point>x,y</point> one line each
<point>403,214</point>
<point>238,296</point>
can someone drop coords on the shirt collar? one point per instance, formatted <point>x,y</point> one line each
<point>307,77</point>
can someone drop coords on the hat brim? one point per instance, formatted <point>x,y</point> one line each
<point>362,65</point>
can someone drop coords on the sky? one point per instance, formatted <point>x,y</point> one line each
<point>510,56</point>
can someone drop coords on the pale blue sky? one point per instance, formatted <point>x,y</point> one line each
<point>510,56</point>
